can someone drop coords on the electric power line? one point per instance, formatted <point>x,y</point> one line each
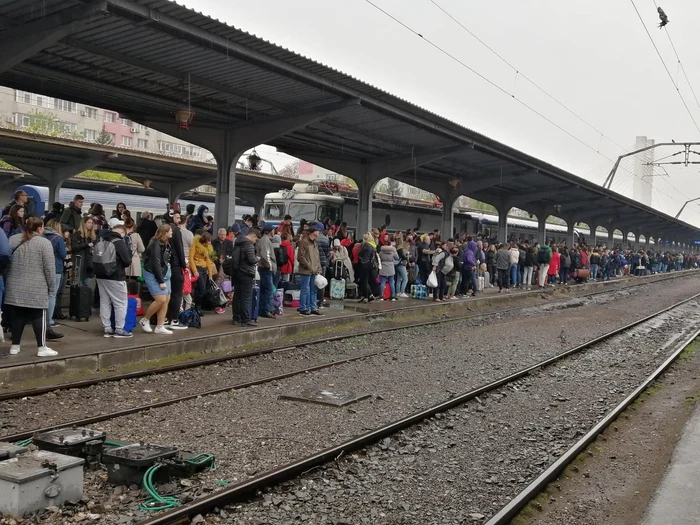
<point>520,73</point>
<point>499,88</point>
<point>665,66</point>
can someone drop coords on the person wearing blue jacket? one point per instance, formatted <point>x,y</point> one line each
<point>52,232</point>
<point>199,221</point>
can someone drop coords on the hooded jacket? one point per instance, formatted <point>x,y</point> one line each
<point>244,259</point>
<point>266,254</point>
<point>199,257</point>
<point>389,257</point>
<point>503,259</point>
<point>197,222</point>
<point>123,255</point>
<point>470,255</point>
<point>59,248</point>
<point>289,267</point>
<point>177,249</point>
<point>70,219</point>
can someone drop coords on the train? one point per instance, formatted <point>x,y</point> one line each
<point>315,202</point>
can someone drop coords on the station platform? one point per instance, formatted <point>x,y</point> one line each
<point>675,501</point>
<point>84,350</point>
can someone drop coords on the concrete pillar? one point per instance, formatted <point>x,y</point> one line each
<point>226,161</point>
<point>611,238</point>
<point>365,190</point>
<point>542,228</point>
<point>593,227</point>
<point>503,224</point>
<point>647,241</point>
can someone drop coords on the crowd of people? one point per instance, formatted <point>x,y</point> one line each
<point>187,268</point>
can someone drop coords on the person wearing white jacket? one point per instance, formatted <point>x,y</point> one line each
<point>514,269</point>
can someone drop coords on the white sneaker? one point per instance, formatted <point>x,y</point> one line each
<point>146,325</point>
<point>175,325</point>
<point>14,350</point>
<point>162,330</point>
<point>45,351</point>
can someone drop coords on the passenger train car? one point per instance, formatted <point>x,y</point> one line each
<point>314,203</point>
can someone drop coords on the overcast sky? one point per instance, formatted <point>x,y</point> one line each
<point>594,57</point>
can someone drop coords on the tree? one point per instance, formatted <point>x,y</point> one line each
<point>44,123</point>
<point>393,187</point>
<point>104,137</point>
<point>291,170</point>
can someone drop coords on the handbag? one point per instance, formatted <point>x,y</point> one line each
<point>214,295</point>
<point>187,284</point>
<point>432,280</point>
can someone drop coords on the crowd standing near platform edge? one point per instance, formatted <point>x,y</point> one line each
<point>174,263</point>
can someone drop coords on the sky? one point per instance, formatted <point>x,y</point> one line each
<point>594,58</point>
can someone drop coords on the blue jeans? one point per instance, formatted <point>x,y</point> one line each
<point>52,299</point>
<point>382,283</point>
<point>401,278</point>
<point>307,295</point>
<point>594,271</point>
<point>266,278</point>
<point>514,275</point>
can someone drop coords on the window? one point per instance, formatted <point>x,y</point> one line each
<point>91,135</point>
<point>334,212</point>
<point>91,113</point>
<point>23,96</point>
<point>126,122</point>
<point>127,141</point>
<point>177,148</point>
<point>40,101</point>
<point>68,127</point>
<point>142,144</point>
<point>164,146</point>
<point>274,210</point>
<point>110,138</point>
<point>140,127</point>
<point>196,152</point>
<point>110,117</point>
<point>22,121</point>
<point>64,105</point>
<point>302,210</point>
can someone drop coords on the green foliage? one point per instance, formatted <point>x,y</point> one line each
<point>4,165</point>
<point>478,205</point>
<point>104,138</point>
<point>105,175</point>
<point>44,123</point>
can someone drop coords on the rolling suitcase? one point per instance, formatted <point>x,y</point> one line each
<point>338,289</point>
<point>350,290</point>
<point>80,305</point>
<point>130,319</point>
<point>480,283</point>
<point>255,310</point>
<point>487,280</point>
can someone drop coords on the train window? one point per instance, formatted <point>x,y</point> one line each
<point>334,212</point>
<point>274,210</point>
<point>302,210</point>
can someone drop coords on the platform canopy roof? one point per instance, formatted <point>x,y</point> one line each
<point>146,58</point>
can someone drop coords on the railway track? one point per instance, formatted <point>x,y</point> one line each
<point>87,421</point>
<point>243,490</point>
<point>84,383</point>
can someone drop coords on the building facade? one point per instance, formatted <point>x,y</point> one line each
<point>46,115</point>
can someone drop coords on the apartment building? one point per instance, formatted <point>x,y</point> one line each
<point>24,110</point>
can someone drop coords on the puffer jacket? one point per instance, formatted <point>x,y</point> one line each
<point>324,250</point>
<point>199,257</point>
<point>388,256</point>
<point>244,258</point>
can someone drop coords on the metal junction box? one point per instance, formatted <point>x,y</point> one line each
<point>126,465</point>
<point>39,479</point>
<point>68,441</point>
<point>8,450</point>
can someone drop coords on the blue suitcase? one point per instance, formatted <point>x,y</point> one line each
<point>130,320</point>
<point>255,309</point>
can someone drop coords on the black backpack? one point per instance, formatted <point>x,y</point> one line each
<point>281,256</point>
<point>543,256</point>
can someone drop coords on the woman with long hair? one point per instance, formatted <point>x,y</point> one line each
<point>31,279</point>
<point>13,222</point>
<point>97,213</point>
<point>137,249</point>
<point>156,275</point>
<point>81,243</point>
<point>366,255</point>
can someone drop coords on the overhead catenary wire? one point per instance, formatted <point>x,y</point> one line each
<point>499,88</point>
<point>675,85</point>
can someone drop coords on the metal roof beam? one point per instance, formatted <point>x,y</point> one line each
<point>22,42</point>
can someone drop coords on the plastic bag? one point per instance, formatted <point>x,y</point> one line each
<point>432,280</point>
<point>321,282</point>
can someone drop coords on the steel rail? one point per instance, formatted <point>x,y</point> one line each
<point>513,508</point>
<point>241,491</point>
<point>84,383</point>
<point>239,386</point>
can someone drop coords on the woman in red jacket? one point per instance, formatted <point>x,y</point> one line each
<point>554,266</point>
<point>287,269</point>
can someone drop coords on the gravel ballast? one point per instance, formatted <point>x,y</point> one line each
<point>251,430</point>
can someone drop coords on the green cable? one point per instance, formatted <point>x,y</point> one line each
<point>111,444</point>
<point>201,459</point>
<point>156,501</point>
<point>24,443</point>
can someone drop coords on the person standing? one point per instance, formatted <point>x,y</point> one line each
<point>72,215</point>
<point>201,266</point>
<point>52,232</point>
<point>111,257</point>
<point>324,253</point>
<point>31,280</point>
<point>178,264</point>
<point>20,198</point>
<point>528,266</point>
<point>137,249</point>
<point>309,268</point>
<point>544,257</point>
<point>243,263</point>
<point>156,275</point>
<point>267,267</point>
<point>503,268</point>
<point>366,256</point>
<point>389,258</point>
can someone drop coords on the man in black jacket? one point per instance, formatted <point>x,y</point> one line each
<point>70,220</point>
<point>244,261</point>
<point>111,281</point>
<point>178,263</point>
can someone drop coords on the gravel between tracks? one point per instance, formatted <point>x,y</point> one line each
<point>251,431</point>
<point>68,405</point>
<point>464,465</point>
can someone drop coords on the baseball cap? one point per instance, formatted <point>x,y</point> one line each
<point>115,222</point>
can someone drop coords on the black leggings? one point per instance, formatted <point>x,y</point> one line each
<point>200,287</point>
<point>177,281</point>
<point>20,316</point>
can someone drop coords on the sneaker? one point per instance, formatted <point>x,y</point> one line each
<point>249,324</point>
<point>122,334</point>
<point>45,351</point>
<point>316,312</point>
<point>267,315</point>
<point>146,325</point>
<point>220,310</point>
<point>162,330</point>
<point>175,325</point>
<point>14,350</point>
<point>381,298</point>
<point>393,298</point>
<point>108,334</point>
<point>51,335</point>
<point>54,325</point>
<point>305,313</point>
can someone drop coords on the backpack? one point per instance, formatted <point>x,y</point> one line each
<point>448,264</point>
<point>376,263</point>
<point>104,259</point>
<point>543,256</point>
<point>190,318</point>
<point>281,256</point>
